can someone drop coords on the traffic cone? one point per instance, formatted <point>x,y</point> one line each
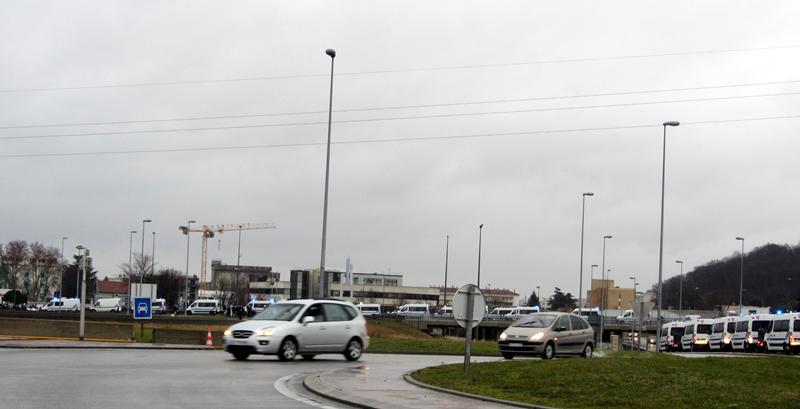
<point>208,339</point>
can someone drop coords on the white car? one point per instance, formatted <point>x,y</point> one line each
<point>300,327</point>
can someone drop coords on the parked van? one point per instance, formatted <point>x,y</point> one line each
<point>751,331</point>
<point>63,304</point>
<point>445,311</point>
<point>158,306</point>
<point>203,307</point>
<point>671,334</point>
<point>587,312</point>
<point>785,333</point>
<point>722,334</point>
<point>697,334</point>
<point>520,311</point>
<point>368,310</point>
<point>413,310</point>
<point>500,312</point>
<point>107,305</point>
<point>257,306</point>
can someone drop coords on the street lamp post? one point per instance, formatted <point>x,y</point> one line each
<point>603,291</point>
<point>186,293</point>
<point>322,282</point>
<point>446,259</point>
<point>238,260</point>
<point>144,266</point>
<point>130,270</point>
<point>480,235</point>
<point>680,291</point>
<point>661,234</point>
<point>633,308</point>
<point>539,297</point>
<point>61,276</point>
<point>82,301</point>
<point>153,256</point>
<point>741,273</point>
<point>580,278</point>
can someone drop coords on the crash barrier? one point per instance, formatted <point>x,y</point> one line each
<point>185,337</point>
<point>64,329</point>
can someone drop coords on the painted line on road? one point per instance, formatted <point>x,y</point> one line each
<point>282,386</point>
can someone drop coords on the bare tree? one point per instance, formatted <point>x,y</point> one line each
<point>141,263</point>
<point>16,254</point>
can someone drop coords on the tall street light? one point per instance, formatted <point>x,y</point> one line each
<point>580,279</point>
<point>661,234</point>
<point>633,308</point>
<point>130,270</point>
<point>680,291</point>
<point>446,259</point>
<point>603,290</point>
<point>539,297</point>
<point>322,282</point>
<point>61,276</point>
<point>238,260</point>
<point>480,235</point>
<point>82,301</point>
<point>741,273</point>
<point>141,279</point>
<point>186,293</point>
<point>153,256</point>
<point>591,279</point>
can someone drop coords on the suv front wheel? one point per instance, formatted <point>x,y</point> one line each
<point>288,350</point>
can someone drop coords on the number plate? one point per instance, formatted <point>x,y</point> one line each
<point>514,344</point>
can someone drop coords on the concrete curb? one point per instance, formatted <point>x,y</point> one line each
<point>172,348</point>
<point>407,377</point>
<point>313,384</point>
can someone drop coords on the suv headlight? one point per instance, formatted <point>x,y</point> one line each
<point>265,332</point>
<point>227,332</point>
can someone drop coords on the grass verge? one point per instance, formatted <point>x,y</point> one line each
<point>430,346</point>
<point>638,380</point>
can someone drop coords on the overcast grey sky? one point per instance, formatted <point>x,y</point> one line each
<point>393,203</point>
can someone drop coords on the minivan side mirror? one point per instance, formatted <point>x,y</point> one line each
<point>307,319</point>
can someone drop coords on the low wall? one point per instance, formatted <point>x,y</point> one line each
<point>64,329</point>
<point>186,337</point>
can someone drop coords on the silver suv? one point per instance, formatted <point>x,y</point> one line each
<point>300,327</point>
<point>547,334</point>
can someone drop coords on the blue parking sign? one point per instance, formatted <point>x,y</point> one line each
<point>141,309</point>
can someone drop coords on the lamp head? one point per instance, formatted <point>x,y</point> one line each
<point>595,265</point>
<point>740,238</point>
<point>481,226</point>
<point>679,261</point>
<point>146,221</point>
<point>79,247</point>
<point>588,194</point>
<point>133,231</point>
<point>63,238</point>
<point>331,52</point>
<point>190,222</point>
<point>608,237</point>
<point>671,123</point>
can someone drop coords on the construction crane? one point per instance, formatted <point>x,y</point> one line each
<point>208,231</point>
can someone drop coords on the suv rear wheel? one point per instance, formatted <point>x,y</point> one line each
<point>353,350</point>
<point>587,351</point>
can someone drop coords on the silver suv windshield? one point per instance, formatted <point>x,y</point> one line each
<point>535,320</point>
<point>279,312</point>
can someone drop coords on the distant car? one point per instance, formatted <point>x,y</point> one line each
<point>300,327</point>
<point>547,334</point>
<point>107,305</point>
<point>158,306</point>
<point>520,311</point>
<point>210,307</point>
<point>500,312</point>
<point>627,317</point>
<point>445,311</point>
<point>369,310</point>
<point>64,304</point>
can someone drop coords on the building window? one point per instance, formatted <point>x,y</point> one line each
<point>355,280</point>
<point>390,282</point>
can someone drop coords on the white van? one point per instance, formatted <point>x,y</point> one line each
<point>627,317</point>
<point>751,331</point>
<point>63,304</point>
<point>445,311</point>
<point>413,310</point>
<point>368,310</point>
<point>107,305</point>
<point>785,334</point>
<point>697,334</point>
<point>203,307</point>
<point>587,312</point>
<point>158,306</point>
<point>722,334</point>
<point>257,306</point>
<point>500,312</point>
<point>671,334</point>
<point>520,311</point>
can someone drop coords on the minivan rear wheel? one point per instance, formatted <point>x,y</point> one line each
<point>549,351</point>
<point>587,351</point>
<point>353,350</point>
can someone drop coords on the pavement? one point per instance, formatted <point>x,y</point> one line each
<point>376,381</point>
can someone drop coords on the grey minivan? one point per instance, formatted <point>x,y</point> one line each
<point>547,334</point>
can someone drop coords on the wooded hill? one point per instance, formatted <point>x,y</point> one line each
<point>771,279</point>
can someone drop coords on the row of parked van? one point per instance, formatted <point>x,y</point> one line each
<point>748,333</point>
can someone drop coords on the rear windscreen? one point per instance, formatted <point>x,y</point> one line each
<point>677,332</point>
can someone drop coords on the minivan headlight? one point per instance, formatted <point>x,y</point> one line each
<point>538,336</point>
<point>503,336</point>
<point>265,332</point>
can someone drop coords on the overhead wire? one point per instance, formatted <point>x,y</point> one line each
<point>346,121</point>
<point>386,108</point>
<point>382,140</point>
<point>400,70</point>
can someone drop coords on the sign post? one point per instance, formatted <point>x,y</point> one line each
<point>469,308</point>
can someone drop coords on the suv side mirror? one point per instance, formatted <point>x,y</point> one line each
<point>307,319</point>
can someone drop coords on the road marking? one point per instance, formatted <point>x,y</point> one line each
<point>282,386</point>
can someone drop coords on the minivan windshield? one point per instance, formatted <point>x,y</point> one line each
<point>703,329</point>
<point>535,321</point>
<point>279,312</point>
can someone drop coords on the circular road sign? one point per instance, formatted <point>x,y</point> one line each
<point>460,305</point>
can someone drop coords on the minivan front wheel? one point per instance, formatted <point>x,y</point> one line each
<point>288,350</point>
<point>549,351</point>
<point>587,351</point>
<point>353,350</point>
